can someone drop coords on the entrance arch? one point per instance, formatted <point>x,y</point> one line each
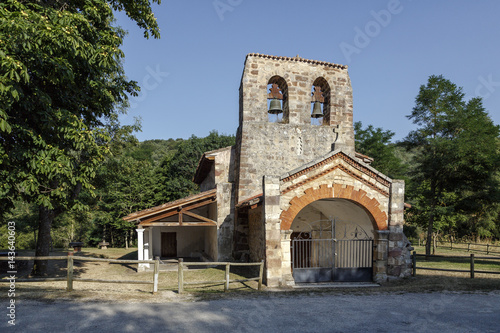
<point>358,197</point>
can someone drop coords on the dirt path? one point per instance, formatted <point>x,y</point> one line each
<point>424,312</point>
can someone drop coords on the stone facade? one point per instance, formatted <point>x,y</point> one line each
<point>282,167</point>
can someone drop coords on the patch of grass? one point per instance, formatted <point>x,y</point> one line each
<point>92,291</point>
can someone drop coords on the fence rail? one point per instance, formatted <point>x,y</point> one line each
<point>69,271</point>
<point>226,280</point>
<point>471,259</point>
<point>470,246</point>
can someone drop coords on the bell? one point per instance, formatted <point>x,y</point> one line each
<point>275,106</point>
<point>317,113</point>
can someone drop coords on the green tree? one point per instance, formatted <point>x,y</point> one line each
<point>456,155</point>
<point>61,79</point>
<point>176,172</point>
<point>376,143</point>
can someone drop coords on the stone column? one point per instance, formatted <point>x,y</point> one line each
<point>286,258</point>
<point>398,253</point>
<point>271,216</point>
<point>146,255</point>
<point>380,255</point>
<point>140,247</point>
<point>150,241</point>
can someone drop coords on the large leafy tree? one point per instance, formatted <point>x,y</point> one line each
<point>376,143</point>
<point>61,78</point>
<point>456,154</point>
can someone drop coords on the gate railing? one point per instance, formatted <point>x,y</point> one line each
<point>354,253</point>
<point>332,253</point>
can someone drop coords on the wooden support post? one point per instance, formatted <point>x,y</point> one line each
<point>69,286</point>
<point>414,263</point>
<point>261,272</point>
<point>226,284</point>
<point>487,248</point>
<point>155,276</point>
<point>180,276</point>
<point>472,265</point>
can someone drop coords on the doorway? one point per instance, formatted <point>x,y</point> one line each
<point>169,244</point>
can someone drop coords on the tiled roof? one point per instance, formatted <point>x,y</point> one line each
<point>169,205</point>
<point>297,58</point>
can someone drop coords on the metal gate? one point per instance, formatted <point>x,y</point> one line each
<point>331,250</point>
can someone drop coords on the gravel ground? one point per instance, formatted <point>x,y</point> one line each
<point>305,312</point>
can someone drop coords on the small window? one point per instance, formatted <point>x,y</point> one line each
<point>317,102</point>
<point>277,100</point>
<point>320,102</point>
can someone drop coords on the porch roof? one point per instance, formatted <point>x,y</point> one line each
<point>154,215</point>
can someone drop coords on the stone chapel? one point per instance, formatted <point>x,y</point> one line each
<point>292,191</point>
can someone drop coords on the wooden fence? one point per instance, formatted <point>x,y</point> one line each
<point>471,260</point>
<point>226,280</point>
<point>69,272</point>
<point>466,246</point>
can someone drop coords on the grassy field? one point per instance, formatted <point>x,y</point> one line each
<point>459,263</point>
<point>425,281</point>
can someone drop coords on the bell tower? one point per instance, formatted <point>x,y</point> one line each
<point>292,110</point>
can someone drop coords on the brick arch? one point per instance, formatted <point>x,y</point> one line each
<point>359,197</point>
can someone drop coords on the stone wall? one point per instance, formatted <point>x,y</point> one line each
<point>256,235</point>
<point>270,148</point>
<point>225,221</point>
<point>272,232</point>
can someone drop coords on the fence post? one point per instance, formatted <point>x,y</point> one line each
<point>487,248</point>
<point>226,284</point>
<point>69,286</point>
<point>261,272</point>
<point>414,263</point>
<point>472,265</point>
<point>180,276</point>
<point>155,276</point>
<point>451,244</point>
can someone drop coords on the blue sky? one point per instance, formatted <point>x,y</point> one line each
<point>191,76</point>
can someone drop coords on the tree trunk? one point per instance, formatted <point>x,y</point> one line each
<point>430,226</point>
<point>428,242</point>
<point>46,217</point>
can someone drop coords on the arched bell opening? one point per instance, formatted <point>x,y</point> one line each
<point>277,100</point>
<point>320,102</point>
<point>332,240</point>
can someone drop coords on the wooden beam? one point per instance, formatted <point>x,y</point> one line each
<point>158,217</point>
<point>205,202</point>
<point>175,224</point>
<point>175,210</point>
<point>199,217</point>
